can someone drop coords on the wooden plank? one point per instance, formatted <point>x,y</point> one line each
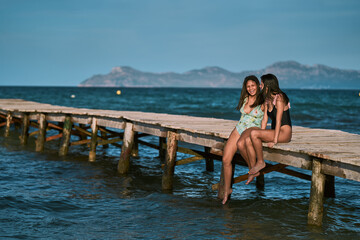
<point>81,119</point>
<point>51,125</point>
<point>342,170</point>
<point>295,174</point>
<point>200,139</point>
<point>294,159</point>
<point>153,130</point>
<point>109,122</point>
<point>114,140</point>
<point>55,117</point>
<point>188,160</point>
<point>51,138</point>
<point>82,130</point>
<point>80,142</point>
<point>34,133</point>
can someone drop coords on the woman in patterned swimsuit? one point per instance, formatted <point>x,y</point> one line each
<point>251,106</point>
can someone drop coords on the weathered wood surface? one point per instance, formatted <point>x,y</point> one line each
<point>341,149</point>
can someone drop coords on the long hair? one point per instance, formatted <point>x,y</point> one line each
<point>244,93</point>
<point>271,87</point>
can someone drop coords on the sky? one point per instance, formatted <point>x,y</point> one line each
<point>62,43</point>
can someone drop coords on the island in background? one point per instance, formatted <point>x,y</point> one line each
<point>291,74</point>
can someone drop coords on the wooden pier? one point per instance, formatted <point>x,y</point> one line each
<point>327,153</point>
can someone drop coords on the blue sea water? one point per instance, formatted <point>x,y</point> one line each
<point>44,196</point>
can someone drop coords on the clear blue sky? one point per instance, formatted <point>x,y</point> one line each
<point>61,43</point>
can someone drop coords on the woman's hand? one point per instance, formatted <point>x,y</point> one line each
<point>271,144</point>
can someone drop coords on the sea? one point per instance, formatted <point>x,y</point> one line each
<point>44,196</point>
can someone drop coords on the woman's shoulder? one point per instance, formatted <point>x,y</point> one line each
<point>263,106</point>
<point>280,97</point>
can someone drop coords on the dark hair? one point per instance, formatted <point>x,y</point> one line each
<point>271,86</point>
<point>244,93</point>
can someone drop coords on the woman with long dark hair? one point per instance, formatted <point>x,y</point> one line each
<point>251,106</point>
<point>277,108</point>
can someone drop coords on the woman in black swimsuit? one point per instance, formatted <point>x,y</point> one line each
<point>277,108</point>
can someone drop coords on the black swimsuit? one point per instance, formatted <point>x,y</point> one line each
<point>285,118</point>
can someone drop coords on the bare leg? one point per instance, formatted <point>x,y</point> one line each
<point>259,136</point>
<point>241,145</point>
<point>252,157</point>
<point>229,152</point>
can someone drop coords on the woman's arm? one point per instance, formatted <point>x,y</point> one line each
<point>280,110</point>
<point>265,118</point>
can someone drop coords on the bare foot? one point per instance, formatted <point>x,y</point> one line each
<point>226,196</point>
<point>258,166</point>
<point>251,177</point>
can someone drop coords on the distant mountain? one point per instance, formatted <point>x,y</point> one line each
<point>291,74</point>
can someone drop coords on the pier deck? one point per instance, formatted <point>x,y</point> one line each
<point>327,153</point>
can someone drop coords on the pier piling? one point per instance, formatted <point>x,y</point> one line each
<point>171,149</point>
<point>93,143</point>
<point>209,161</point>
<point>260,181</point>
<point>316,212</point>
<point>64,146</point>
<point>329,186</point>
<point>8,123</point>
<point>135,148</point>
<point>42,133</point>
<point>162,150</point>
<point>25,129</point>
<point>126,149</point>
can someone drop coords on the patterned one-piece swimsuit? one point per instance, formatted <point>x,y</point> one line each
<point>248,120</point>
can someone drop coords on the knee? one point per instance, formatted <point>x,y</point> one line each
<point>248,142</point>
<point>241,145</point>
<point>226,161</point>
<point>254,134</point>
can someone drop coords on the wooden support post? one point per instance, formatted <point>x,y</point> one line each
<point>209,161</point>
<point>126,149</point>
<point>260,181</point>
<point>135,149</point>
<point>316,207</point>
<point>172,144</point>
<point>8,123</point>
<point>329,186</point>
<point>42,133</point>
<point>104,136</point>
<point>25,129</point>
<point>64,146</point>
<point>162,151</point>
<point>93,144</point>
